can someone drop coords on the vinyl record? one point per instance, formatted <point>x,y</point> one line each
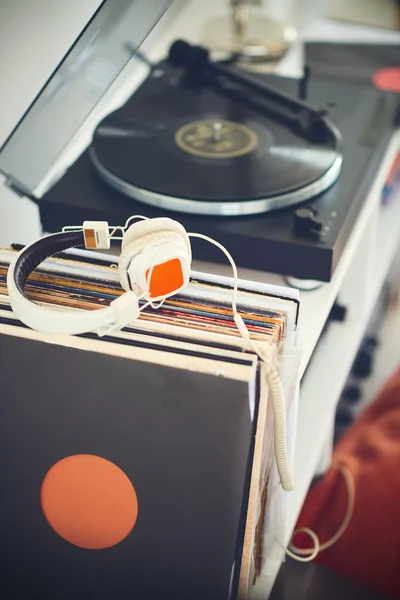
<point>201,152</point>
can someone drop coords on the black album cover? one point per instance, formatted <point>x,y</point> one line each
<point>120,479</point>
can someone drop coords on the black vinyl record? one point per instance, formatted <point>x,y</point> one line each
<point>196,150</point>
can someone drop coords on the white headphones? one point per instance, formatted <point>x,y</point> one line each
<point>154,264</point>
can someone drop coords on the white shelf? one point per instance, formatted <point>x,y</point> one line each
<point>333,357</point>
<point>327,373</point>
<point>323,383</point>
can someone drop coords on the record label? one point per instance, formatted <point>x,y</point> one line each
<point>216,138</point>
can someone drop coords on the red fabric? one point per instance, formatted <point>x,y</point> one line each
<point>369,550</point>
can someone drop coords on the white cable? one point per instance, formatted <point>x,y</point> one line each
<point>308,554</point>
<point>313,551</point>
<point>71,228</point>
<point>111,235</point>
<point>275,384</point>
<point>141,217</point>
<point>123,228</point>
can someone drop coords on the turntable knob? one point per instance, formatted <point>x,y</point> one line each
<point>306,223</point>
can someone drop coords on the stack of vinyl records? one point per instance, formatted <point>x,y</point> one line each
<point>139,463</point>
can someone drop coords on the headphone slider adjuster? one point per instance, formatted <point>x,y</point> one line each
<point>126,309</point>
<point>96,234</point>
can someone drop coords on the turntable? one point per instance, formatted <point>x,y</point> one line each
<point>277,178</point>
<point>203,138</point>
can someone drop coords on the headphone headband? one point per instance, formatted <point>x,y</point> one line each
<point>120,312</point>
<point>31,256</point>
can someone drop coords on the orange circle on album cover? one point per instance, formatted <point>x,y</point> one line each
<point>89,501</point>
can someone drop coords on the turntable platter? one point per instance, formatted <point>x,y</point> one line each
<point>192,150</point>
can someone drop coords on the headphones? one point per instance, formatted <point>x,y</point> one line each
<point>154,264</point>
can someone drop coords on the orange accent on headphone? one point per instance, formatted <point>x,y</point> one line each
<point>166,278</point>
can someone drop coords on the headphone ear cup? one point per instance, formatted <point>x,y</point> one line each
<point>148,248</point>
<point>160,270</point>
<point>148,226</point>
<point>137,237</point>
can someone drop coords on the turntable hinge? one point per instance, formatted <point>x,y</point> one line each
<point>18,188</point>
